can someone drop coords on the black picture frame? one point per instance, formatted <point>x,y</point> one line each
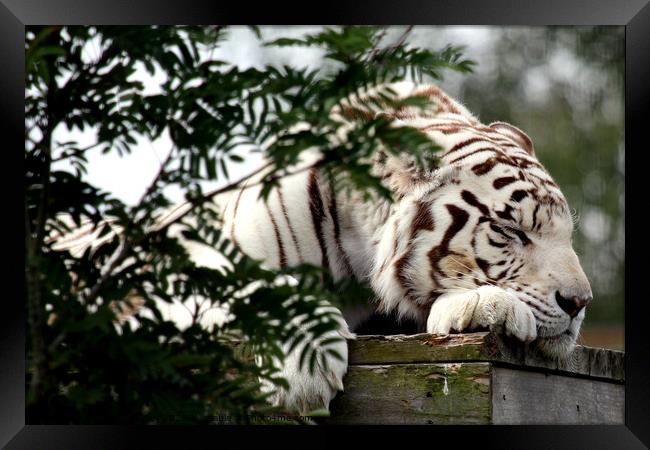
<point>633,14</point>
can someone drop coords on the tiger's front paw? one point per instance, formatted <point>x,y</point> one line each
<point>502,312</point>
<point>486,307</point>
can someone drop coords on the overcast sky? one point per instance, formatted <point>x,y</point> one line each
<point>126,177</point>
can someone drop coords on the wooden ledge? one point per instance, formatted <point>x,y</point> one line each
<point>484,347</point>
<point>476,378</point>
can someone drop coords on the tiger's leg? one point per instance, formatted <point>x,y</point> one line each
<point>486,306</point>
<point>311,391</point>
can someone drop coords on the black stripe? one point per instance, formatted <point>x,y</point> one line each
<point>506,214</point>
<point>472,153</point>
<point>400,264</point>
<point>422,219</point>
<point>465,144</point>
<point>436,254</point>
<point>459,219</point>
<point>533,305</point>
<point>516,269</point>
<point>472,200</point>
<point>483,265</point>
<point>525,163</point>
<point>444,129</point>
<point>291,231</point>
<point>395,228</point>
<point>544,181</point>
<point>485,166</point>
<point>526,300</point>
<point>337,231</point>
<point>502,274</point>
<point>278,238</point>
<point>534,226</point>
<point>317,213</point>
<point>496,244</point>
<point>234,219</point>
<point>502,182</point>
<point>522,237</point>
<point>518,195</point>
<point>498,229</point>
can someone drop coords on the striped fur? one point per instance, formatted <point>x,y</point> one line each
<point>490,214</point>
<point>481,240</point>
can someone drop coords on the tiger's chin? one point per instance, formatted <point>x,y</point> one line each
<point>560,345</point>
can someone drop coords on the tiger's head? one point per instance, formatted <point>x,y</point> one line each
<point>489,214</point>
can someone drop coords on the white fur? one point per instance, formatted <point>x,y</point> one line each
<point>375,234</point>
<point>310,391</point>
<point>486,306</point>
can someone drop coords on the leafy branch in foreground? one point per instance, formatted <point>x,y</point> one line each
<point>84,367</point>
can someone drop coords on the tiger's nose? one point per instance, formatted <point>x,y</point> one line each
<point>571,305</point>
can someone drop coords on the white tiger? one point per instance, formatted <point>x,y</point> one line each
<point>481,241</point>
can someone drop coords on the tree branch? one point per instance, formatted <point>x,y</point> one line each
<point>33,243</point>
<point>232,186</point>
<point>397,44</point>
<point>403,37</point>
<point>76,152</point>
<point>128,244</point>
<point>35,316</point>
<point>375,48</point>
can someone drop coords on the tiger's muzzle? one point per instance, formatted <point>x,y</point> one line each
<point>572,305</point>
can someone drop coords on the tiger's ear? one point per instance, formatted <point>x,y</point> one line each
<point>515,134</point>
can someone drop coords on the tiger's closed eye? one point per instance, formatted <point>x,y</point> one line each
<point>508,232</point>
<point>523,237</point>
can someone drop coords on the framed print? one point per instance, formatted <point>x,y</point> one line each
<point>558,89</point>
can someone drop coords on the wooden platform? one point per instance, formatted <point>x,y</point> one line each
<point>476,378</point>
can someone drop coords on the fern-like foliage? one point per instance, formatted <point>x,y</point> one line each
<point>82,367</point>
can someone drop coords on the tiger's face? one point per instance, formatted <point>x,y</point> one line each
<point>517,236</point>
<point>491,215</point>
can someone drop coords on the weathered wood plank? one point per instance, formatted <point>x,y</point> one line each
<point>522,397</point>
<point>414,394</point>
<point>427,348</point>
<point>417,348</point>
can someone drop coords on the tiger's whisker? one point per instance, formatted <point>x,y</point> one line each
<point>472,271</point>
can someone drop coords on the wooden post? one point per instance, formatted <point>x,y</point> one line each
<point>476,378</point>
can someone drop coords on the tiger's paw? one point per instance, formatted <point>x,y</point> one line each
<point>309,391</point>
<point>501,311</point>
<point>486,307</point>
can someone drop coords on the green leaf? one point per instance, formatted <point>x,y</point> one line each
<point>318,413</point>
<point>156,372</point>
